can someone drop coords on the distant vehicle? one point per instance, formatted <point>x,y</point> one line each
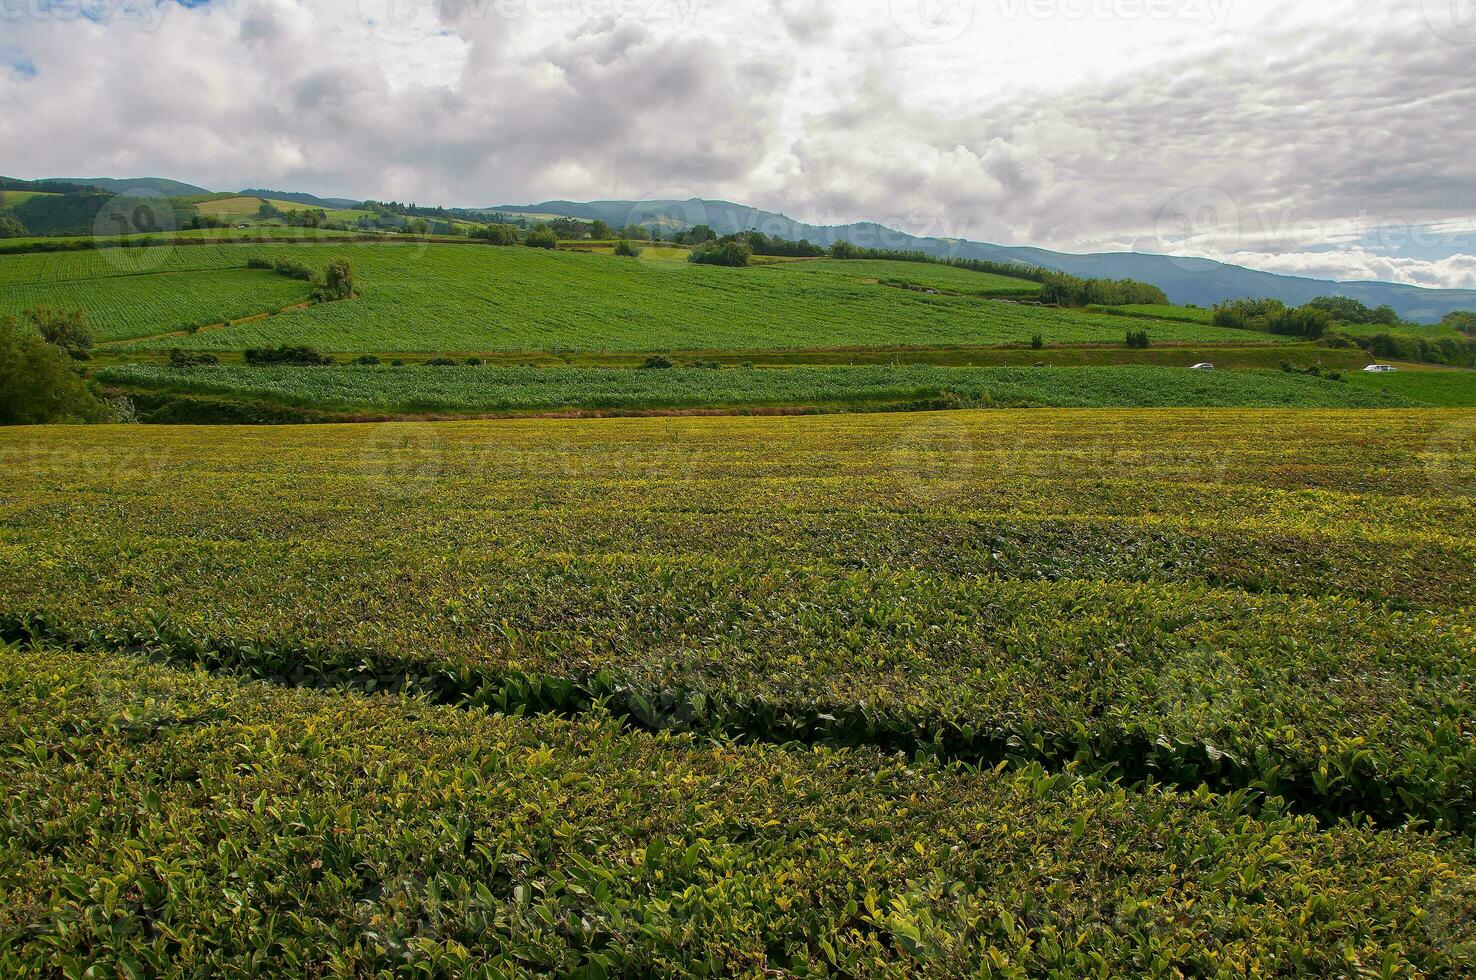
<point>1206,366</point>
<point>1380,369</point>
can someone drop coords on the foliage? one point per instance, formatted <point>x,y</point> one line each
<point>285,355</point>
<point>1070,291</point>
<point>12,227</point>
<point>293,270</point>
<point>1138,339</point>
<point>497,234</point>
<point>732,254</point>
<point>627,249</point>
<point>541,236</point>
<point>1461,320</point>
<point>337,282</point>
<point>66,329</point>
<point>191,359</point>
<point>1145,595</point>
<point>183,825</point>
<point>1273,316</point>
<point>547,389</point>
<point>1345,309</point>
<point>37,383</point>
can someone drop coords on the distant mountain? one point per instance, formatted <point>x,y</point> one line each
<point>297,197</point>
<point>161,185</point>
<point>1202,282</point>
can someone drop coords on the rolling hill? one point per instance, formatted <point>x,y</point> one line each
<point>1201,282</point>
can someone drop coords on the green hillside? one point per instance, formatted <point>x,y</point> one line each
<point>478,298</point>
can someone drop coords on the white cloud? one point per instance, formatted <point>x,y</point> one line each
<point>1070,124</point>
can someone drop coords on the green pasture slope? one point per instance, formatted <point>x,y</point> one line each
<point>478,298</point>
<point>471,390</point>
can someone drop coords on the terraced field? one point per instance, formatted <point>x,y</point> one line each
<point>469,390</point>
<point>475,298</point>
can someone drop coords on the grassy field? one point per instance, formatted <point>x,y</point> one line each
<point>476,298</point>
<point>177,823</point>
<point>469,390</point>
<point>1447,389</point>
<point>1243,598</point>
<point>13,198</point>
<point>193,237</point>
<point>1186,314</point>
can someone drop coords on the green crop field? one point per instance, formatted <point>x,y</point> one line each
<point>175,823</point>
<point>1117,693</point>
<point>478,298</point>
<point>409,390</point>
<point>127,305</point>
<point>1273,599</point>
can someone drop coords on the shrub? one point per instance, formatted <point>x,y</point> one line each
<point>474,362</point>
<point>845,250</point>
<point>1037,341</point>
<point>337,282</point>
<point>440,362</point>
<point>184,359</point>
<point>260,356</point>
<point>258,263</point>
<point>11,227</point>
<point>731,254</point>
<point>496,234</point>
<point>541,237</point>
<point>627,249</point>
<point>1138,339</point>
<point>657,362</point>
<point>38,384</point>
<point>66,329</point>
<point>293,270</point>
<point>367,360</point>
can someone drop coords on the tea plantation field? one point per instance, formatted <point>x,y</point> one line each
<point>480,389</point>
<point>1107,692</point>
<point>467,298</point>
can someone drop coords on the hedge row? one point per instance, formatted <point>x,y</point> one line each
<point>167,823</point>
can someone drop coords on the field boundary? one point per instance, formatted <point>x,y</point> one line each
<point>1131,757</point>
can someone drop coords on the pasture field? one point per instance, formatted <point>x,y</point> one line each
<point>1273,602</point>
<point>473,390</point>
<point>1445,389</point>
<point>9,199</point>
<point>165,822</point>
<point>1155,311</point>
<point>480,298</point>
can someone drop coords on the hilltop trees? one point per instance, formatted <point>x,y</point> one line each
<point>337,282</point>
<point>541,236</point>
<point>733,253</point>
<point>11,227</point>
<point>1274,316</point>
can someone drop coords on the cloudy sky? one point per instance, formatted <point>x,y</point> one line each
<point>1334,138</point>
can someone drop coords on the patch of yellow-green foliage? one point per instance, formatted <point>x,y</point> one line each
<point>1241,598</point>
<point>166,823</point>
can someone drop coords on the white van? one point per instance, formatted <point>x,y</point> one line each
<point>1380,369</point>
